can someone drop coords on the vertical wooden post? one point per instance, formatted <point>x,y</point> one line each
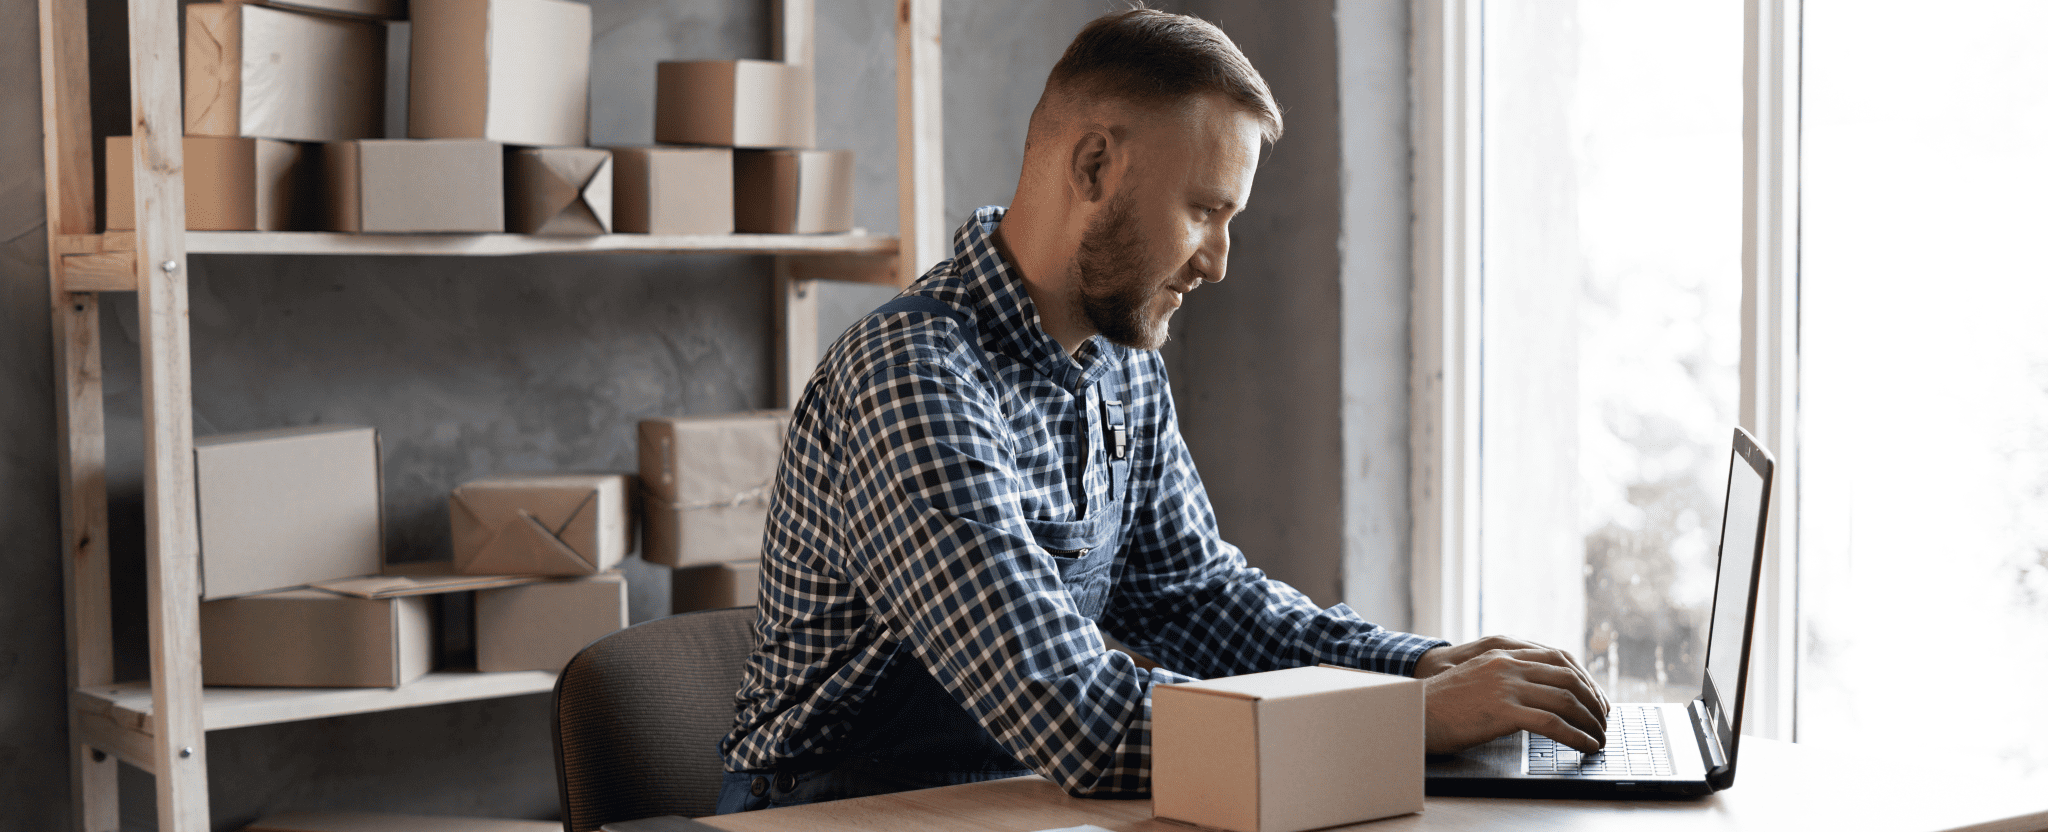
<point>170,503</point>
<point>920,155</point>
<point>81,419</point>
<point>796,299</point>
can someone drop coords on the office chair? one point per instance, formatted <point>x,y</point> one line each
<point>638,714</point>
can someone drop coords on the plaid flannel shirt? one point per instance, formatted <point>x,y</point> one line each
<point>898,518</point>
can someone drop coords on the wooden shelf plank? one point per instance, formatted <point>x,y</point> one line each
<point>128,703</point>
<point>320,242</point>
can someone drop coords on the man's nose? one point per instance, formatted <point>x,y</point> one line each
<point>1213,258</point>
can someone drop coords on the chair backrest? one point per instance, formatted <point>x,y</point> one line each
<point>638,715</point>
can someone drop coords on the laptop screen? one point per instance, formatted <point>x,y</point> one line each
<point>1749,476</point>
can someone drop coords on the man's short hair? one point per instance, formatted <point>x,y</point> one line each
<point>1153,58</point>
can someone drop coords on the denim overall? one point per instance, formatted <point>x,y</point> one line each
<point>911,733</point>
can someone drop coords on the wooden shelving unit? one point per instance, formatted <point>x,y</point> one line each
<point>159,725</point>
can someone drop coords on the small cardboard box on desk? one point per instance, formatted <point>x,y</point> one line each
<point>541,524</point>
<point>705,482</point>
<point>1287,750</point>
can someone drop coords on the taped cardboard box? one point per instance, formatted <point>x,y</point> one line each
<point>381,822</point>
<point>255,71</point>
<point>714,587</point>
<point>558,190</point>
<point>512,71</point>
<point>314,638</point>
<point>541,524</point>
<point>672,190</point>
<point>743,103</point>
<point>285,508</point>
<point>542,626</point>
<point>793,191</point>
<point>705,483</point>
<point>354,9</point>
<point>400,186</point>
<point>1287,750</point>
<point>231,184</point>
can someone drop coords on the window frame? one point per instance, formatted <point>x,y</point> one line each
<point>1448,83</point>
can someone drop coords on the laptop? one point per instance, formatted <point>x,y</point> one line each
<point>1656,749</point>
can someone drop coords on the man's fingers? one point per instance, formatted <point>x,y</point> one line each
<point>1570,682</point>
<point>1595,699</point>
<point>1567,706</point>
<point>1555,727</point>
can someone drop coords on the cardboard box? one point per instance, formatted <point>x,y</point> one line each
<point>512,71</point>
<point>705,484</point>
<point>541,524</point>
<point>313,638</point>
<point>285,508</point>
<point>355,9</point>
<point>231,184</point>
<point>267,73</point>
<point>672,190</point>
<point>558,190</point>
<point>380,822</point>
<point>398,186</point>
<point>541,626</point>
<point>734,104</point>
<point>792,191</point>
<point>714,587</point>
<point>1287,750</point>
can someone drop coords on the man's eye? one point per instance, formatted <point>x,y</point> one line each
<point>1206,211</point>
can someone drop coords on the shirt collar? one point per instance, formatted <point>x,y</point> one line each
<point>991,286</point>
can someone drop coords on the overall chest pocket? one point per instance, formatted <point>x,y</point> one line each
<point>1086,575</point>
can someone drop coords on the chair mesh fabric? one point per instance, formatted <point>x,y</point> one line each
<point>638,715</point>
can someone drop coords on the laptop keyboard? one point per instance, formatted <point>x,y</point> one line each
<point>1635,747</point>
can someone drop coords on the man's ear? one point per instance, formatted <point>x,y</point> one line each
<point>1088,163</point>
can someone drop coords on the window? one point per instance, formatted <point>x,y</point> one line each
<point>1590,319</point>
<point>1611,240</point>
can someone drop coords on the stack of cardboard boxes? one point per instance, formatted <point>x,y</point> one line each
<point>705,484</point>
<point>297,594</point>
<point>285,129</point>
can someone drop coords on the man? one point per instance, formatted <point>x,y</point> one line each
<point>984,478</point>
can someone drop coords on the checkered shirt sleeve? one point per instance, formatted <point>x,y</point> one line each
<point>898,519</point>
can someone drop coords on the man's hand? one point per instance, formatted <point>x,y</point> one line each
<point>1480,690</point>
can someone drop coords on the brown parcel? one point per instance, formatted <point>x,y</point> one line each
<point>558,190</point>
<point>793,191</point>
<point>512,71</point>
<point>672,190</point>
<point>743,103</point>
<point>284,508</point>
<point>365,9</point>
<point>714,587</point>
<point>541,524</point>
<point>541,626</point>
<point>317,639</point>
<point>705,481</point>
<point>230,185</point>
<point>1287,750</point>
<point>399,186</point>
<point>380,822</point>
<point>273,74</point>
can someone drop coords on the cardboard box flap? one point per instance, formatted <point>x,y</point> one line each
<point>377,587</point>
<point>559,190</point>
<point>524,545</point>
<point>380,822</point>
<point>1291,683</point>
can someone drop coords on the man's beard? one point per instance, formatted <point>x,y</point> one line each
<point>1112,287</point>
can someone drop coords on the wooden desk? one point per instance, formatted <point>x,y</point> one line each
<point>1777,786</point>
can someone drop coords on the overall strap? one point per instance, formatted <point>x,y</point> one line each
<point>1116,435</point>
<point>969,333</point>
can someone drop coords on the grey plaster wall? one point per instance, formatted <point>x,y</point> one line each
<point>481,365</point>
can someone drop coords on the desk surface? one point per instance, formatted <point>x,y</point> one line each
<point>1777,786</point>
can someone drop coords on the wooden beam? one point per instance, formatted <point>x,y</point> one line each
<point>796,331</point>
<point>796,31</point>
<point>99,730</point>
<point>920,154</point>
<point>170,504</point>
<point>109,272</point>
<point>844,268</point>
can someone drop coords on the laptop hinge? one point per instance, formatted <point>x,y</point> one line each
<point>1709,734</point>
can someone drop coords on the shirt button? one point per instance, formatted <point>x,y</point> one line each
<point>759,786</point>
<point>785,781</point>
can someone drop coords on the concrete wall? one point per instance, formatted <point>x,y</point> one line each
<point>475,366</point>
